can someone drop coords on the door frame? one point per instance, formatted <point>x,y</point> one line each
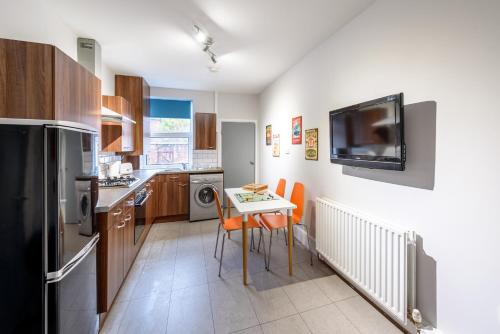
<point>256,151</point>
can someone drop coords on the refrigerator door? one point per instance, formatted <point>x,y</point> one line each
<point>21,229</point>
<point>71,233</point>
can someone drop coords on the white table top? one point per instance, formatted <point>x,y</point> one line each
<point>258,207</point>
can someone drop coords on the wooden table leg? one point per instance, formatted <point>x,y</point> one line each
<point>228,214</point>
<point>245,247</point>
<point>290,241</point>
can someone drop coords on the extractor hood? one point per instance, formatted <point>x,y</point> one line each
<point>108,115</point>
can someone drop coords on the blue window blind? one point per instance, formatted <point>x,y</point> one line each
<point>170,108</point>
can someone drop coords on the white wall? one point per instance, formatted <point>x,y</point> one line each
<point>107,80</point>
<point>37,21</point>
<point>442,51</point>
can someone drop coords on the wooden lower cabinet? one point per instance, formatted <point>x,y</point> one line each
<point>173,195</point>
<point>113,241</point>
<point>128,233</point>
<point>117,248</point>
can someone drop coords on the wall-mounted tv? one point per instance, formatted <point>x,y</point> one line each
<point>369,134</point>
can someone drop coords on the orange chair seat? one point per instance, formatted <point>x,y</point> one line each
<point>236,223</point>
<point>277,221</point>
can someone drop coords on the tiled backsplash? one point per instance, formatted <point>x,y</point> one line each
<point>106,157</point>
<point>204,158</point>
<point>200,158</point>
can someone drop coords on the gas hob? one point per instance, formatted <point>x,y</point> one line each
<point>118,182</point>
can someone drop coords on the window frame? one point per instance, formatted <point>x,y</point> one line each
<point>147,137</point>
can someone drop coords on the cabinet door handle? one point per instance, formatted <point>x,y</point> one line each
<point>117,213</point>
<point>127,218</point>
<point>130,202</point>
<point>173,178</point>
<point>211,147</point>
<point>183,185</point>
<point>121,226</point>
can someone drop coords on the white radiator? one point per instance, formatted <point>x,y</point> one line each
<point>377,257</point>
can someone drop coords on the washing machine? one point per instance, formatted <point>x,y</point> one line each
<point>202,199</point>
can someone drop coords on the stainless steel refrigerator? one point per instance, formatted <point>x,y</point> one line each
<point>48,232</point>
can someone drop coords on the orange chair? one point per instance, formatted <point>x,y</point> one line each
<point>280,189</point>
<point>275,222</point>
<point>233,224</point>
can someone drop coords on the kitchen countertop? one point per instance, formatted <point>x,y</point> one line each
<point>109,197</point>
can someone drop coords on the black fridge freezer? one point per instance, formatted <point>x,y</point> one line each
<point>48,228</point>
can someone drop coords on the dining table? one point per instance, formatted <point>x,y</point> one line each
<point>248,205</point>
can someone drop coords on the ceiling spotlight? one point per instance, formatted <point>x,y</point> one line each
<point>212,56</point>
<point>213,69</point>
<point>200,36</point>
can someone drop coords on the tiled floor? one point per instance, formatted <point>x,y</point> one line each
<point>173,287</point>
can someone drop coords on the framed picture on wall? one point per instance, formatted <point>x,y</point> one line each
<point>311,145</point>
<point>276,145</point>
<point>269,134</point>
<point>297,130</point>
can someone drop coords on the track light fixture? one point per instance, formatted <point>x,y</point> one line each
<point>206,41</point>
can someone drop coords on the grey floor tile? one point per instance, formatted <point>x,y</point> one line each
<point>146,315</point>
<point>127,289</point>
<point>156,278</point>
<point>306,295</point>
<point>328,320</point>
<point>176,277</point>
<point>335,288</point>
<point>190,311</point>
<point>190,277</point>
<point>278,277</point>
<point>231,306</point>
<point>365,317</point>
<point>271,304</point>
<point>290,325</point>
<point>114,318</point>
<point>251,330</point>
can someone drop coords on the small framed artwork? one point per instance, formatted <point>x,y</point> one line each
<point>311,144</point>
<point>276,145</point>
<point>269,134</point>
<point>297,130</point>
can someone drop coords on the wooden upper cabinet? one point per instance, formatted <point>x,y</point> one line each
<point>117,137</point>
<point>39,81</point>
<point>136,91</point>
<point>205,131</point>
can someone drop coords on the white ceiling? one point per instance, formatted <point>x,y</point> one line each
<point>255,40</point>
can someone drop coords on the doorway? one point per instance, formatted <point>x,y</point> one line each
<point>238,153</point>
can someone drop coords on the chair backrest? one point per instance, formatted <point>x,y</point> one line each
<point>219,208</point>
<point>280,189</point>
<point>297,198</point>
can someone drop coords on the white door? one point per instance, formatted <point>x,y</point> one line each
<point>238,153</point>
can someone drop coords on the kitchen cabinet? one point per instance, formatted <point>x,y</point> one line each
<point>117,136</point>
<point>116,250</point>
<point>115,270</point>
<point>154,184</point>
<point>39,81</point>
<point>136,91</point>
<point>150,204</point>
<point>128,233</point>
<point>205,125</point>
<point>173,195</point>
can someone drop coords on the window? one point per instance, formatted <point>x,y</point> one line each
<point>170,136</point>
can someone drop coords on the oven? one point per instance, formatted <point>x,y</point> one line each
<point>141,198</point>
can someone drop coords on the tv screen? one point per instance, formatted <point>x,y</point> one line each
<point>369,134</point>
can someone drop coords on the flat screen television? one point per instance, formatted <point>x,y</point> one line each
<point>369,134</point>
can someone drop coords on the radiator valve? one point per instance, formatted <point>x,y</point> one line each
<point>416,316</point>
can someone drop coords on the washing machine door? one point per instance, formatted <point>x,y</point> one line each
<point>204,195</point>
